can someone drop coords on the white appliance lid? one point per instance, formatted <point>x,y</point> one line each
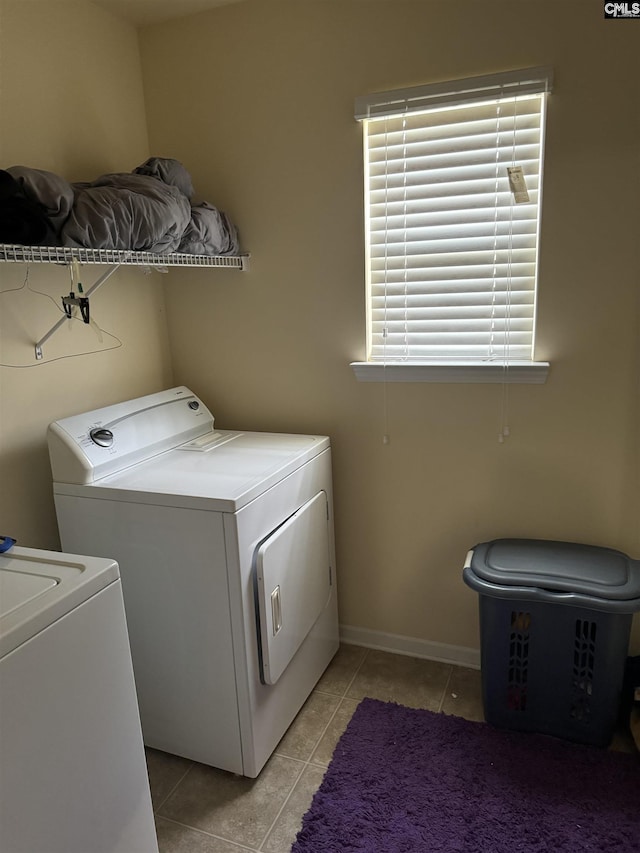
<point>232,469</point>
<point>19,588</point>
<point>38,587</point>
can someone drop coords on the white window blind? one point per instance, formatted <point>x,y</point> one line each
<point>451,249</point>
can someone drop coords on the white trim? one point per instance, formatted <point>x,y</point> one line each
<point>412,646</point>
<point>516,372</point>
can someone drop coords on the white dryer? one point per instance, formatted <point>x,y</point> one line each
<point>226,551</point>
<point>73,776</point>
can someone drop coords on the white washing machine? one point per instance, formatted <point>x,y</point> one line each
<point>73,776</point>
<point>226,551</point>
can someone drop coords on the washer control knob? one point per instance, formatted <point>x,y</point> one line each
<point>101,436</point>
<point>194,404</point>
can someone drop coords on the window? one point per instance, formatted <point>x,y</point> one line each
<point>453,176</point>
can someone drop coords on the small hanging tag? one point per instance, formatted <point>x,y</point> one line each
<point>517,184</point>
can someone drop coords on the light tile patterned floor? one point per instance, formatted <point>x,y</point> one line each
<point>203,810</point>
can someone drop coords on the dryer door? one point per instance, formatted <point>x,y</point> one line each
<point>293,583</point>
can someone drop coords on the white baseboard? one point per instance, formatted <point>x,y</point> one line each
<point>398,644</point>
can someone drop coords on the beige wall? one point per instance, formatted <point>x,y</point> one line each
<point>71,102</point>
<point>257,100</point>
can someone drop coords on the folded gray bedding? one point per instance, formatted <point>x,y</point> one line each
<point>149,209</point>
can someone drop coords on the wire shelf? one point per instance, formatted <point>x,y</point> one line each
<point>13,253</point>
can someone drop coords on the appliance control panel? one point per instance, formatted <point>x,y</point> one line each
<point>87,447</point>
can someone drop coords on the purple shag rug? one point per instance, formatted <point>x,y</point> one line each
<point>410,781</point>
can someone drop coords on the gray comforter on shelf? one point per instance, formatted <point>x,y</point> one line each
<point>149,210</point>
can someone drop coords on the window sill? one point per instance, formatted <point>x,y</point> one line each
<point>517,372</point>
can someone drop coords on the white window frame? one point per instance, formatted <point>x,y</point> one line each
<point>508,362</point>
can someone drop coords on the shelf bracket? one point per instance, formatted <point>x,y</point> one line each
<point>67,316</point>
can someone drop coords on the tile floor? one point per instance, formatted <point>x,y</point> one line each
<point>203,810</point>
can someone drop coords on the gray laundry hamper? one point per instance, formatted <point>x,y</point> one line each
<point>555,619</point>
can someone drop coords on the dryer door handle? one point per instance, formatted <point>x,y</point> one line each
<point>276,610</point>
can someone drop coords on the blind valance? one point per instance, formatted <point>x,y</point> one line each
<point>526,81</point>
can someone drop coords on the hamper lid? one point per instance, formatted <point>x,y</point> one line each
<point>560,566</point>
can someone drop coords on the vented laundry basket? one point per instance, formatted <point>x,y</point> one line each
<point>555,619</point>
